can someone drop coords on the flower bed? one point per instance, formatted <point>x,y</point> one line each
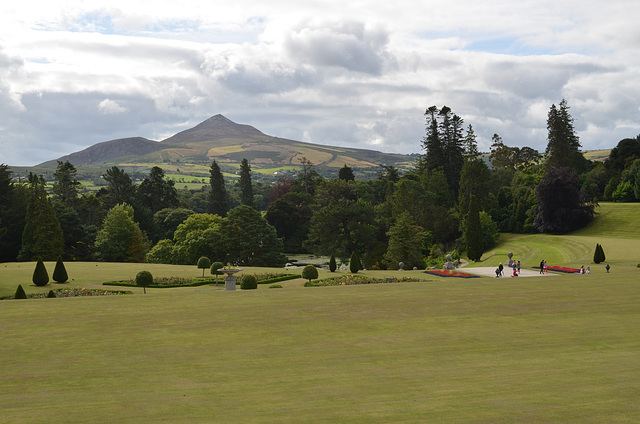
<point>351,280</point>
<point>450,273</point>
<point>564,269</point>
<point>171,282</point>
<point>74,292</point>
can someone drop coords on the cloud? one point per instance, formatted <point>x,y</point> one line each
<point>111,107</point>
<point>333,72</point>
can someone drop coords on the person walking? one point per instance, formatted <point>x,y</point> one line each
<point>542,262</point>
<point>546,270</point>
<point>607,268</point>
<point>518,267</point>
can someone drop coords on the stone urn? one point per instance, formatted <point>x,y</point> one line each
<point>230,279</point>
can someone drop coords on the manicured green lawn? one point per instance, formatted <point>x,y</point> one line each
<point>562,349</point>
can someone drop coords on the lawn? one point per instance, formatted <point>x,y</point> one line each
<point>445,350</point>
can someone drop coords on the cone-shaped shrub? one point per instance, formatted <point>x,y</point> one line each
<point>51,294</point>
<point>354,263</point>
<point>310,272</point>
<point>332,264</point>
<point>249,282</point>
<point>20,294</point>
<point>60,272</point>
<point>40,274</point>
<point>598,255</point>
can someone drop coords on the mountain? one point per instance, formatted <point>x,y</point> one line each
<point>228,143</point>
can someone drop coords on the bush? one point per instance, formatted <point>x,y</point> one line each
<point>275,286</point>
<point>204,263</point>
<point>20,294</point>
<point>598,255</point>
<point>249,282</point>
<point>354,263</point>
<point>214,269</point>
<point>40,274</point>
<point>144,279</point>
<point>310,272</point>
<point>332,263</point>
<point>51,294</point>
<point>60,272</point>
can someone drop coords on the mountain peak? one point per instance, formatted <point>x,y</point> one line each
<point>214,128</point>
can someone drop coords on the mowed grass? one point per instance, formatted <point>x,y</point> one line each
<point>535,350</point>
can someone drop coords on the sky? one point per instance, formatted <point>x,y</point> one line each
<point>345,73</point>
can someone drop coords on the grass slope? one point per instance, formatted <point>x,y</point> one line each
<point>616,228</point>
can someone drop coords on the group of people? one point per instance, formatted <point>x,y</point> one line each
<point>516,269</point>
<point>543,267</point>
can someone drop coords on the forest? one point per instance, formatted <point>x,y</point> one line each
<point>455,201</point>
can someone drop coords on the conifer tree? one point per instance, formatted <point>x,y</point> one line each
<point>218,198</point>
<point>246,189</point>
<point>354,263</point>
<point>332,263</point>
<point>20,294</point>
<point>563,148</point>
<point>598,255</point>
<point>42,235</point>
<point>40,275</point>
<point>60,272</point>
<point>346,173</point>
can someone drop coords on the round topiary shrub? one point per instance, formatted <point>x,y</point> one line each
<point>204,263</point>
<point>249,282</point>
<point>40,274</point>
<point>60,272</point>
<point>144,279</point>
<point>20,294</point>
<point>310,272</point>
<point>214,270</point>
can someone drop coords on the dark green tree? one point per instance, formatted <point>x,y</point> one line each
<point>332,263</point>
<point>40,275</point>
<point>474,180</point>
<point>291,215</point>
<point>249,240</point>
<point>405,243</point>
<point>310,272</point>
<point>204,263</point>
<point>354,263</point>
<point>166,221</point>
<point>197,234</point>
<point>120,188</point>
<point>473,234</point>
<point>20,294</point>
<point>563,148</point>
<point>246,186</point>
<point>156,193</point>
<point>346,173</point>
<point>432,143</point>
<point>598,255</point>
<point>60,272</point>
<point>560,208</point>
<point>218,198</point>
<point>621,156</point>
<point>42,235</point>
<point>307,180</point>
<point>470,145</point>
<point>67,185</point>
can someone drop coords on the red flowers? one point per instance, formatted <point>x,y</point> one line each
<point>560,269</point>
<point>450,273</point>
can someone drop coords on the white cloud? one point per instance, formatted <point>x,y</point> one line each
<point>349,73</point>
<point>111,107</point>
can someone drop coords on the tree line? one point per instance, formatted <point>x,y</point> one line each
<point>453,201</point>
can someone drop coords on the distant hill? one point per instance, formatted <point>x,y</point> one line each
<point>228,143</point>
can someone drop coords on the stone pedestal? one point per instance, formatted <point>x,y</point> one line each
<point>230,279</point>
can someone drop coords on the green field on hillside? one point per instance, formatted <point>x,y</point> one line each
<point>558,349</point>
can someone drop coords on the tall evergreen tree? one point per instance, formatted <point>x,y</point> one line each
<point>120,188</point>
<point>346,173</point>
<point>563,148</point>
<point>451,128</point>
<point>156,193</point>
<point>470,145</point>
<point>218,198</point>
<point>66,187</point>
<point>432,142</point>
<point>405,243</point>
<point>13,209</point>
<point>246,187</point>
<point>42,235</point>
<point>474,181</point>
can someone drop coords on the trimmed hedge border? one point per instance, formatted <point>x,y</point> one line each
<point>198,283</point>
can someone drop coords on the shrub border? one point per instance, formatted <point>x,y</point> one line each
<point>128,283</point>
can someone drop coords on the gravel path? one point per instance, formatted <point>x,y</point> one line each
<point>490,271</point>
